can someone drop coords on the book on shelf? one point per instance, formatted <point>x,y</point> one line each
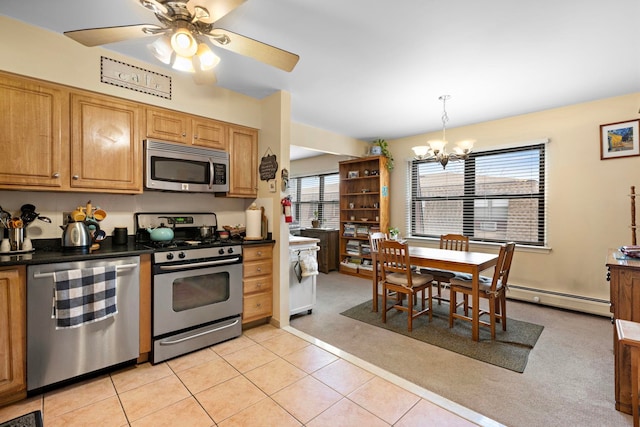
<point>349,230</point>
<point>353,247</point>
<point>362,230</point>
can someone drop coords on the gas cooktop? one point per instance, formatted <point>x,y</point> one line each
<point>186,228</point>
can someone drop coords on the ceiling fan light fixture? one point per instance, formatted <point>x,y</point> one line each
<point>205,59</point>
<point>183,63</point>
<point>161,49</point>
<point>183,42</point>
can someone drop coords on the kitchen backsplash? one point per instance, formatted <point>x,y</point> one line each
<point>119,208</point>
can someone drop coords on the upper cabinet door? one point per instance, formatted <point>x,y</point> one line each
<point>106,146</point>
<point>32,129</point>
<point>167,125</point>
<point>243,162</point>
<point>210,134</point>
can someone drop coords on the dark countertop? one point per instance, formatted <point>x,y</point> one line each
<point>49,251</point>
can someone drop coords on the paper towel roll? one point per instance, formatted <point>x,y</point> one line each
<point>254,224</point>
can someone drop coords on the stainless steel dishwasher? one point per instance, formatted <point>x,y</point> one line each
<point>55,355</point>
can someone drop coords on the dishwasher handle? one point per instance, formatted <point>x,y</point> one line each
<point>118,268</point>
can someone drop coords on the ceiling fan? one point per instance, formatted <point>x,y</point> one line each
<point>183,30</point>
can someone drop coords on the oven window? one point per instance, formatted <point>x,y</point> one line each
<point>201,290</point>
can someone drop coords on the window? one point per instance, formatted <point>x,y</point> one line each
<point>494,196</point>
<point>319,193</point>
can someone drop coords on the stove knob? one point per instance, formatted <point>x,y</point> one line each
<point>181,255</point>
<point>230,250</point>
<point>221,251</point>
<point>169,256</point>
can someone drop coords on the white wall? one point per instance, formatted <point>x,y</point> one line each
<point>588,202</point>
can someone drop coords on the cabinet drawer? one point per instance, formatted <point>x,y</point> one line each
<point>258,284</point>
<point>257,306</point>
<point>253,253</point>
<point>258,268</point>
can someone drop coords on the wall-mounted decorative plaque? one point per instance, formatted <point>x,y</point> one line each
<point>134,78</point>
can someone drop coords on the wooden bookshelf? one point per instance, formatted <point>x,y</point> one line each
<point>364,208</point>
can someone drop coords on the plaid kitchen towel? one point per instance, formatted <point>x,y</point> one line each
<point>84,296</point>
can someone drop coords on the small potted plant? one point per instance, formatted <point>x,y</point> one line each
<point>394,233</point>
<point>315,222</point>
<point>380,146</point>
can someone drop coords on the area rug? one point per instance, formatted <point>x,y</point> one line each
<point>32,419</point>
<point>510,349</point>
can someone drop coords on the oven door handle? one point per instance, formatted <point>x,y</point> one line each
<point>199,264</point>
<point>190,337</point>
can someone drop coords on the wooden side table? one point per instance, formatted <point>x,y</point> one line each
<point>629,335</point>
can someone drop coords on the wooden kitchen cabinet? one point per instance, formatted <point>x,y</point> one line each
<point>13,339</point>
<point>33,134</point>
<point>168,125</point>
<point>624,277</point>
<point>106,153</point>
<point>243,162</point>
<point>257,282</point>
<point>328,259</point>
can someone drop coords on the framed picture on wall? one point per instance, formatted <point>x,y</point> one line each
<point>619,140</point>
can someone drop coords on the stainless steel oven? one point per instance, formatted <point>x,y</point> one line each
<point>196,286</point>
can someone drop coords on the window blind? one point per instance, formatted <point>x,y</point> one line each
<point>494,196</point>
<point>317,193</point>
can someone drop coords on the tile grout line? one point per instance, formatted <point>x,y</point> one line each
<point>423,393</point>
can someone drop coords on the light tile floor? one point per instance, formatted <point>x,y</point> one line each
<point>266,377</point>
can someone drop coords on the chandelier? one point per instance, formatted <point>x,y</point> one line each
<point>434,152</point>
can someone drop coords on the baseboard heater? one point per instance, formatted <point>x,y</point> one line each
<point>561,300</point>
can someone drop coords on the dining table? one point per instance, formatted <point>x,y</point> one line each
<point>472,263</point>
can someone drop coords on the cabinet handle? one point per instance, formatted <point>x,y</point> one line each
<point>184,134</point>
<point>258,305</point>
<point>259,253</point>
<point>75,177</point>
<point>259,285</point>
<point>56,175</point>
<point>259,269</point>
<point>195,136</point>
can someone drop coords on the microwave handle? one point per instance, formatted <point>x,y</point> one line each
<point>211,171</point>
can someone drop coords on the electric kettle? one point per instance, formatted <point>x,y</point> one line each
<point>75,235</point>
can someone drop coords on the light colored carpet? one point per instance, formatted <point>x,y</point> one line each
<point>510,349</point>
<point>568,381</point>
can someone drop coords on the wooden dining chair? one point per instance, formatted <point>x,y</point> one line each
<point>441,278</point>
<point>374,243</point>
<point>398,277</point>
<point>492,288</point>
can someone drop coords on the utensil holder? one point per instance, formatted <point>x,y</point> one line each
<point>16,237</point>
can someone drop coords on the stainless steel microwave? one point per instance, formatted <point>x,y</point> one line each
<point>184,168</point>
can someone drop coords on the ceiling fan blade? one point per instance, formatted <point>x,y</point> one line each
<point>216,8</point>
<point>205,77</point>
<point>99,36</point>
<point>259,51</point>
